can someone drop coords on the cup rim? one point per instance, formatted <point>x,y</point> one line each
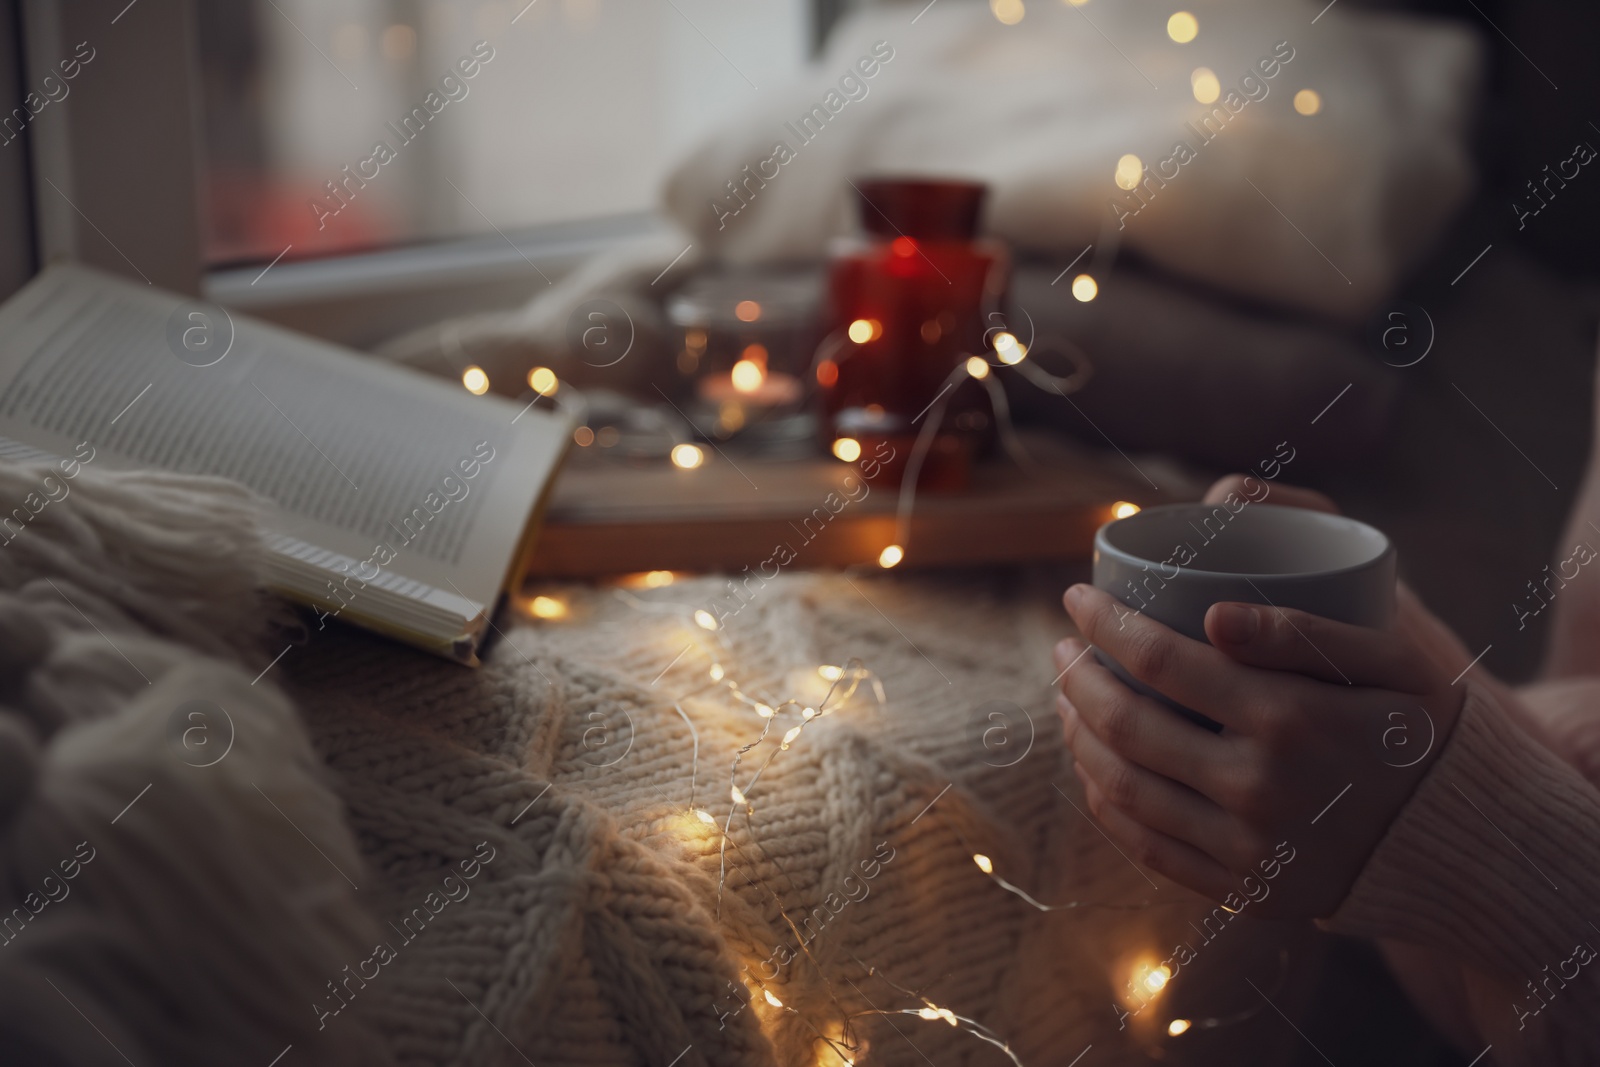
<point>1102,544</point>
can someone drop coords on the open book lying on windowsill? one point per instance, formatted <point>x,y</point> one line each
<point>401,503</point>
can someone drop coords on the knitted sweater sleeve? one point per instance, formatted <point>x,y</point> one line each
<point>1493,870</point>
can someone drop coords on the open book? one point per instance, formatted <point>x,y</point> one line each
<point>400,502</point>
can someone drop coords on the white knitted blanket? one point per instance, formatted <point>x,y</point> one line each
<point>527,881</point>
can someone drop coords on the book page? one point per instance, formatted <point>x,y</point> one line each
<point>362,459</point>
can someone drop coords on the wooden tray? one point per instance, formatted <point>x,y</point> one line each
<point>606,519</point>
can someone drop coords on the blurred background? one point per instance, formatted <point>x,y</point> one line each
<point>564,145</point>
<point>579,120</point>
<point>573,128</point>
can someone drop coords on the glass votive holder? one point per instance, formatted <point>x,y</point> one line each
<point>744,345</point>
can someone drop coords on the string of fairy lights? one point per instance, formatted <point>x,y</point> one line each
<point>794,714</point>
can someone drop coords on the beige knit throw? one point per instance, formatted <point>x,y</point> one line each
<point>593,936</point>
<point>527,881</point>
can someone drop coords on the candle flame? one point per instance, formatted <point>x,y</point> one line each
<point>748,376</point>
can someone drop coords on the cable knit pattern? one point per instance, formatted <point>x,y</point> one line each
<point>1495,865</point>
<point>593,936</point>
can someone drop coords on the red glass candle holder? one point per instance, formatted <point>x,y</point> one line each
<point>906,306</point>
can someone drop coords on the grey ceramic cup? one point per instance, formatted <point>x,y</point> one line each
<point>1173,561</point>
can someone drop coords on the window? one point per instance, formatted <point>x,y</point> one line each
<point>334,126</point>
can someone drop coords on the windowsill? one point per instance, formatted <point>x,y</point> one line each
<point>364,299</point>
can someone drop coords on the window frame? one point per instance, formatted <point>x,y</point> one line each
<point>116,140</point>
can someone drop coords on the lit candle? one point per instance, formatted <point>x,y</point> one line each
<point>750,384</point>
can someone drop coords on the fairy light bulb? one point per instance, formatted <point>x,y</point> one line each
<point>716,672</point>
<point>774,1001</point>
<point>1205,84</point>
<point>1177,1026</point>
<point>687,457</point>
<point>704,619</point>
<point>737,794</point>
<point>788,738</point>
<point>1123,508</point>
<point>765,711</point>
<point>476,379</point>
<point>984,863</point>
<point>847,449</point>
<point>1009,12</point>
<point>1307,102</point>
<point>808,713</point>
<point>830,673</point>
<point>863,330</point>
<point>1183,27</point>
<point>890,556</point>
<point>1010,350</point>
<point>977,367</point>
<point>1085,288</point>
<point>1129,170</point>
<point>543,381</point>
<point>704,816</point>
<point>657,579</point>
<point>1157,978</point>
<point>548,607</point>
<point>928,1013</point>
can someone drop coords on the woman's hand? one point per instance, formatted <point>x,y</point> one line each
<point>1326,729</point>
